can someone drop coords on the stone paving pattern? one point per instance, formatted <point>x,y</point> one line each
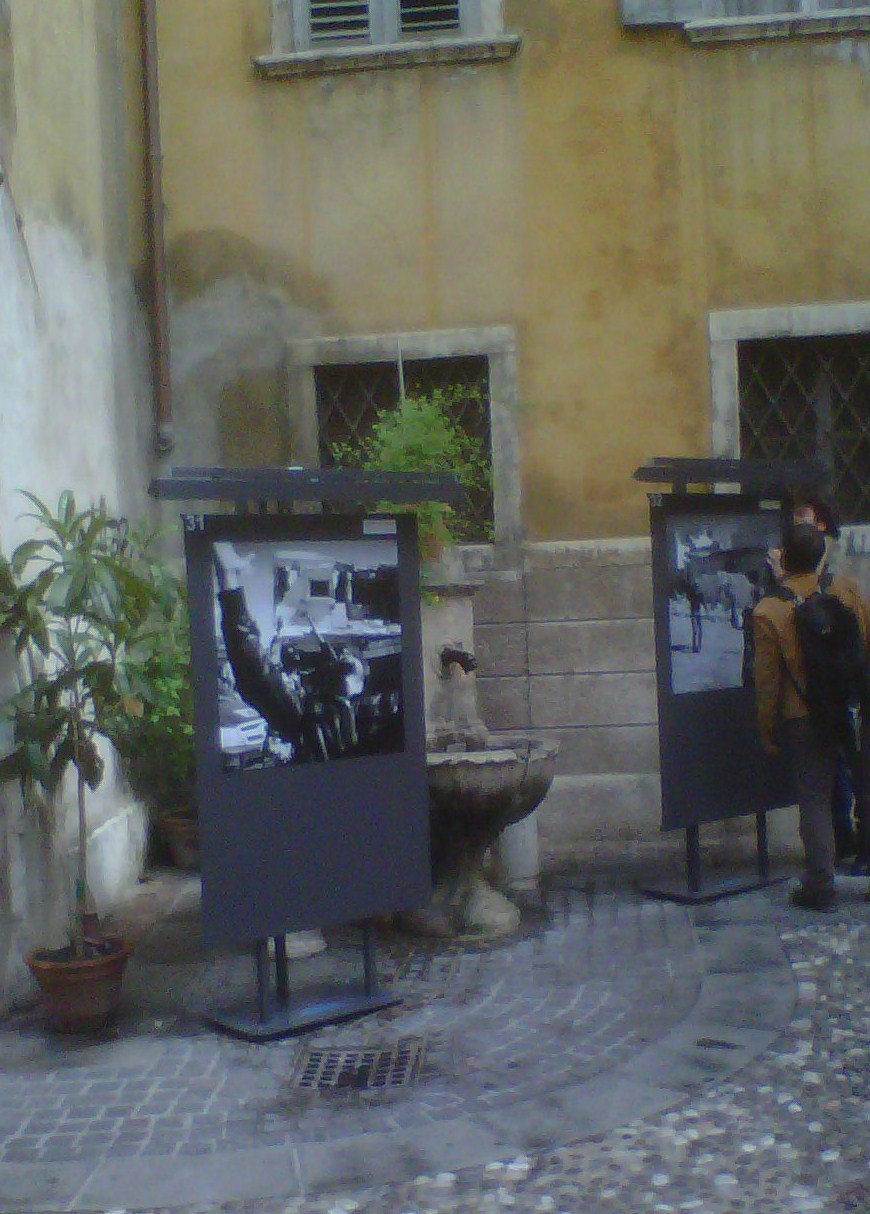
<point>623,1054</point>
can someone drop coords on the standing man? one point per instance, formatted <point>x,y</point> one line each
<point>813,506</point>
<point>780,689</point>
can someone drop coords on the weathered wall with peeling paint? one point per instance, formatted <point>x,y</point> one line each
<point>601,192</point>
<point>75,400</point>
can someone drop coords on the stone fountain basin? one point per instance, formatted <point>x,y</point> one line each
<point>475,794</point>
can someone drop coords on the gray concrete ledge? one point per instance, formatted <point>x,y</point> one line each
<point>833,23</point>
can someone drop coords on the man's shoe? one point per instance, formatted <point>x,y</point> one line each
<point>845,841</point>
<point>860,867</point>
<point>845,851</point>
<point>867,896</point>
<point>808,898</point>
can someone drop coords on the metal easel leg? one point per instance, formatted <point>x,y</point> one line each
<point>370,973</point>
<point>282,971</point>
<point>761,843</point>
<point>693,859</point>
<point>262,961</point>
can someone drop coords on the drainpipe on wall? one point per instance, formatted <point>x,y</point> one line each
<point>164,437</point>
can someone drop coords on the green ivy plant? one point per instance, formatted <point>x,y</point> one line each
<point>422,435</point>
<point>83,619</point>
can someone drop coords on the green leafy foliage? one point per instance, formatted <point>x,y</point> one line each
<point>421,435</point>
<point>157,746</point>
<point>80,604</point>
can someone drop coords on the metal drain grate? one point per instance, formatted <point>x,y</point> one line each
<point>439,968</point>
<point>326,1070</point>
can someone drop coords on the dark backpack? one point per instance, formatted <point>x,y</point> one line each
<point>834,661</point>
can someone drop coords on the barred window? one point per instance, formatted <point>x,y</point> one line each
<point>809,397</point>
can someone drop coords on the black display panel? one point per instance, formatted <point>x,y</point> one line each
<point>710,567</point>
<point>310,735</point>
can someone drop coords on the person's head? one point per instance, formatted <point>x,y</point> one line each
<point>802,549</point>
<point>815,508</point>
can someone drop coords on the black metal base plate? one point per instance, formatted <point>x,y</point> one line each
<point>285,1020</point>
<point>674,891</point>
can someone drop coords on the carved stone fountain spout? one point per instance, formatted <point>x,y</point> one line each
<point>478,785</point>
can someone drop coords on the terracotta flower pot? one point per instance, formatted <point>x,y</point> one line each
<point>182,837</point>
<point>80,994</point>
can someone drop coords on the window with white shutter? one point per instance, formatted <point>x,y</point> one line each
<point>338,20</point>
<point>319,24</point>
<point>323,37</point>
<point>429,16</point>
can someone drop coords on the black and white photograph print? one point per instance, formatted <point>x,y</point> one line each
<point>719,569</point>
<point>309,648</point>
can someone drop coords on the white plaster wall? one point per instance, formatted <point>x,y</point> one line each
<point>74,413</point>
<point>73,380</point>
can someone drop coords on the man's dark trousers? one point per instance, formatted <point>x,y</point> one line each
<point>814,761</point>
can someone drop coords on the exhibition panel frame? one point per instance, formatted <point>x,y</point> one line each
<point>311,781</point>
<point>710,568</point>
<point>306,661</point>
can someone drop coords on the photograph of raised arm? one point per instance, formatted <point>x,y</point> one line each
<point>309,651</point>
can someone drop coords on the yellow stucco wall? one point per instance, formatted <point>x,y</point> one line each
<point>71,117</point>
<point>601,192</point>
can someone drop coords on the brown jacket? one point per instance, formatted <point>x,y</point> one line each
<point>776,697</point>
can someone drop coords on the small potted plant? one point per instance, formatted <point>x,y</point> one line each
<point>158,746</point>
<point>163,772</point>
<point>81,618</point>
<point>421,434</point>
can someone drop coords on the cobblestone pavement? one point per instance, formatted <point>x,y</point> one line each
<point>623,1054</point>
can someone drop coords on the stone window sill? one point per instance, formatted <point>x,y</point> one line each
<point>300,64</point>
<point>834,22</point>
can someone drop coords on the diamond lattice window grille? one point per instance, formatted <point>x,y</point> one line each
<point>349,398</point>
<point>809,398</point>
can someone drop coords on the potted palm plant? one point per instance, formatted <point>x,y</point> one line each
<point>81,618</point>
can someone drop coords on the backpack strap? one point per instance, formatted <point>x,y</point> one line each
<point>793,681</point>
<point>791,596</point>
